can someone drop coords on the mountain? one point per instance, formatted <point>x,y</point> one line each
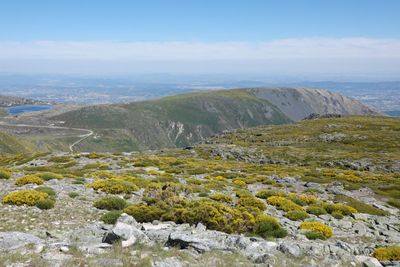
<point>185,119</point>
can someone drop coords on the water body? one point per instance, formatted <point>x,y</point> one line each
<point>17,110</point>
<point>393,113</point>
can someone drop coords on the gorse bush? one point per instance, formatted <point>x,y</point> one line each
<point>360,206</point>
<point>296,215</point>
<point>250,201</point>
<point>317,227</point>
<point>144,213</point>
<point>49,191</point>
<point>45,204</point>
<point>284,204</point>
<point>264,194</point>
<point>24,197</point>
<point>5,173</point>
<point>343,209</point>
<point>221,198</point>
<point>111,217</point>
<point>316,210</point>
<point>110,203</point>
<point>29,179</point>
<point>267,226</point>
<point>387,253</point>
<point>114,186</point>
<point>50,176</point>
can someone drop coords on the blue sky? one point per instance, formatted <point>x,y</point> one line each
<point>280,37</point>
<point>201,20</point>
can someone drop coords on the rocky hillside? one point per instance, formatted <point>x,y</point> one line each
<point>183,120</point>
<point>321,192</point>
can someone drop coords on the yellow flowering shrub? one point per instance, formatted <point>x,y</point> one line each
<point>284,204</point>
<point>24,197</point>
<point>317,227</point>
<point>339,208</point>
<point>387,253</point>
<point>29,179</point>
<point>239,182</point>
<point>221,197</point>
<point>113,186</point>
<point>5,173</point>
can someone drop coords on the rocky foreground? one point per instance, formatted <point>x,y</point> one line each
<point>211,205</point>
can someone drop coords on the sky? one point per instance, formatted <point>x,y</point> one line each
<point>280,37</point>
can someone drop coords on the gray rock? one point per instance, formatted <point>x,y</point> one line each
<point>168,262</point>
<point>292,249</point>
<point>16,240</point>
<point>368,261</point>
<point>107,262</point>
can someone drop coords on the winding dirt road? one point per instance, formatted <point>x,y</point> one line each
<point>71,147</point>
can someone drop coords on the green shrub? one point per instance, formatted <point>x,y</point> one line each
<point>394,202</point>
<point>24,197</point>
<point>45,204</point>
<point>345,210</point>
<point>111,217</point>
<point>284,204</point>
<point>73,194</point>
<point>114,186</point>
<point>387,253</point>
<point>50,176</point>
<point>5,173</point>
<point>337,214</point>
<point>29,179</point>
<point>316,210</point>
<point>48,190</point>
<point>221,198</point>
<point>144,213</point>
<point>314,235</point>
<point>110,203</point>
<point>296,215</point>
<point>360,206</point>
<point>248,201</point>
<point>264,194</point>
<point>267,226</point>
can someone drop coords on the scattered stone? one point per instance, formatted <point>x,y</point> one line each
<point>16,240</point>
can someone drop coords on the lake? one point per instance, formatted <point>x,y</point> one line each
<point>31,108</point>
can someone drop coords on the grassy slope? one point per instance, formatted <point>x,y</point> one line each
<point>153,124</point>
<point>11,145</point>
<point>303,150</point>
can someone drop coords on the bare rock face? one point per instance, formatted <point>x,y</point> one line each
<point>15,240</point>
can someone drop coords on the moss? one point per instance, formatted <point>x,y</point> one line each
<point>24,197</point>
<point>110,203</point>
<point>318,227</point>
<point>29,179</point>
<point>387,253</point>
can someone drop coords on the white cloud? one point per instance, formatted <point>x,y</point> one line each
<point>307,54</point>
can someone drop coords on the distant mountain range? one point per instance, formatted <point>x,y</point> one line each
<point>185,119</point>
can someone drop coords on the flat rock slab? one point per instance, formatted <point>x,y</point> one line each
<point>16,240</point>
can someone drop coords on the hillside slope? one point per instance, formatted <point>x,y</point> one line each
<point>185,119</point>
<point>11,145</point>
